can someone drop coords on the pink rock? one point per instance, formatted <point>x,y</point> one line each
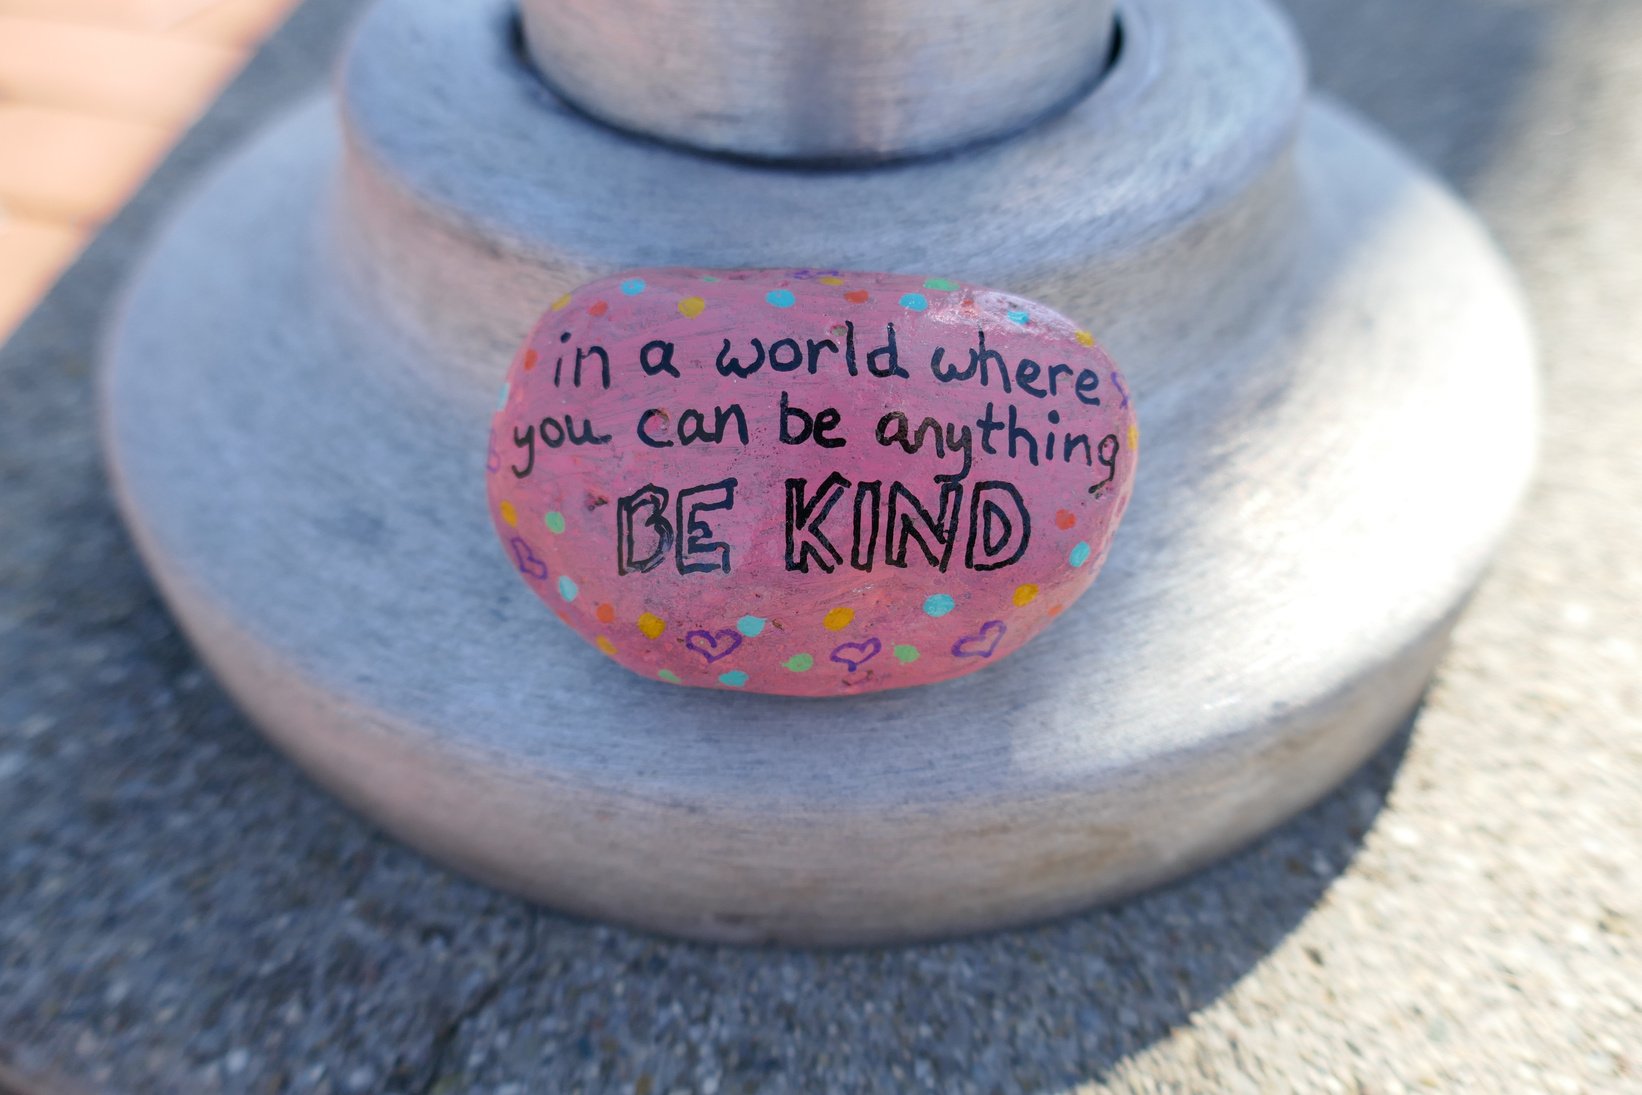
<point>805,482</point>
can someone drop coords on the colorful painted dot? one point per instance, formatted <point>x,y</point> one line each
<point>668,675</point>
<point>567,588</point>
<point>562,303</point>
<point>735,678</point>
<point>509,514</point>
<point>1056,610</point>
<point>554,520</point>
<point>904,653</point>
<point>1065,518</point>
<point>598,308</point>
<point>606,613</point>
<point>917,302</point>
<point>605,645</point>
<point>691,307</point>
<point>838,619</point>
<point>939,604</point>
<point>1018,317</point>
<point>502,399</point>
<point>1134,436</point>
<point>531,357</point>
<point>830,279</point>
<point>750,626</point>
<point>946,285</point>
<point>651,626</point>
<point>799,663</point>
<point>1086,338</point>
<point>857,296</point>
<point>1079,556</point>
<point>633,286</point>
<point>708,277</point>
<point>1025,595</point>
<point>781,298</point>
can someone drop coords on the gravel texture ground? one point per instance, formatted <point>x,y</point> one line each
<point>181,911</point>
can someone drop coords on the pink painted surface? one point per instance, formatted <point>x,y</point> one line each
<point>807,482</point>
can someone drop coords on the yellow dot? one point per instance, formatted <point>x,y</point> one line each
<point>838,619</point>
<point>691,307</point>
<point>605,645</point>
<point>509,514</point>
<point>830,280</point>
<point>652,626</point>
<point>1086,338</point>
<point>1025,595</point>
<point>562,303</point>
<point>1134,436</point>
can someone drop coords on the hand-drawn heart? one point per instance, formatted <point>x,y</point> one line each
<point>855,655</point>
<point>980,645</point>
<point>529,565</point>
<point>713,645</point>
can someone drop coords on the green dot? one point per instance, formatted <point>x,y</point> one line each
<point>750,626</point>
<point>799,663</point>
<point>735,678</point>
<point>905,653</point>
<point>554,520</point>
<point>668,675</point>
<point>944,284</point>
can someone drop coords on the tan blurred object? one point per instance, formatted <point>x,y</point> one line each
<point>92,93</point>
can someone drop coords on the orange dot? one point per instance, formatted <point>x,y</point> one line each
<point>829,279</point>
<point>605,645</point>
<point>530,360</point>
<point>652,626</point>
<point>509,514</point>
<point>1056,610</point>
<point>606,614</point>
<point>1065,518</point>
<point>856,296</point>
<point>691,307</point>
<point>838,619</point>
<point>562,303</point>
<point>598,308</point>
<point>1086,338</point>
<point>1025,595</point>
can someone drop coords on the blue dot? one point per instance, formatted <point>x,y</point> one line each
<point>750,626</point>
<point>1079,556</point>
<point>914,301</point>
<point>781,298</point>
<point>735,678</point>
<point>501,402</point>
<point>633,286</point>
<point>567,588</point>
<point>1019,317</point>
<point>939,604</point>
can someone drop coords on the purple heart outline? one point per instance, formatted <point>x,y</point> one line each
<point>713,645</point>
<point>528,564</point>
<point>983,644</point>
<point>855,655</point>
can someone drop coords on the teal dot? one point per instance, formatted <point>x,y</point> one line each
<point>633,286</point>
<point>750,626</point>
<point>735,678</point>
<point>708,277</point>
<point>501,401</point>
<point>905,653</point>
<point>1080,554</point>
<point>1019,317</point>
<point>781,298</point>
<point>914,301</point>
<point>945,285</point>
<point>554,520</point>
<point>799,663</point>
<point>567,588</point>
<point>939,604</point>
<point>668,675</point>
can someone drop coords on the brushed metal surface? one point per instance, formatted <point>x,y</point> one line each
<point>1337,397</point>
<point>849,79</point>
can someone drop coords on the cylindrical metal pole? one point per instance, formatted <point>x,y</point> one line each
<point>842,80</point>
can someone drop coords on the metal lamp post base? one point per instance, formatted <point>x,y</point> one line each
<point>1335,386</point>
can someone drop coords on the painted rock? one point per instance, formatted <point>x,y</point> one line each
<point>810,483</point>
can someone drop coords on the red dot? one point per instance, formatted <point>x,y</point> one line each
<point>1065,518</point>
<point>856,296</point>
<point>606,614</point>
<point>1055,610</point>
<point>530,359</point>
<point>598,308</point>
